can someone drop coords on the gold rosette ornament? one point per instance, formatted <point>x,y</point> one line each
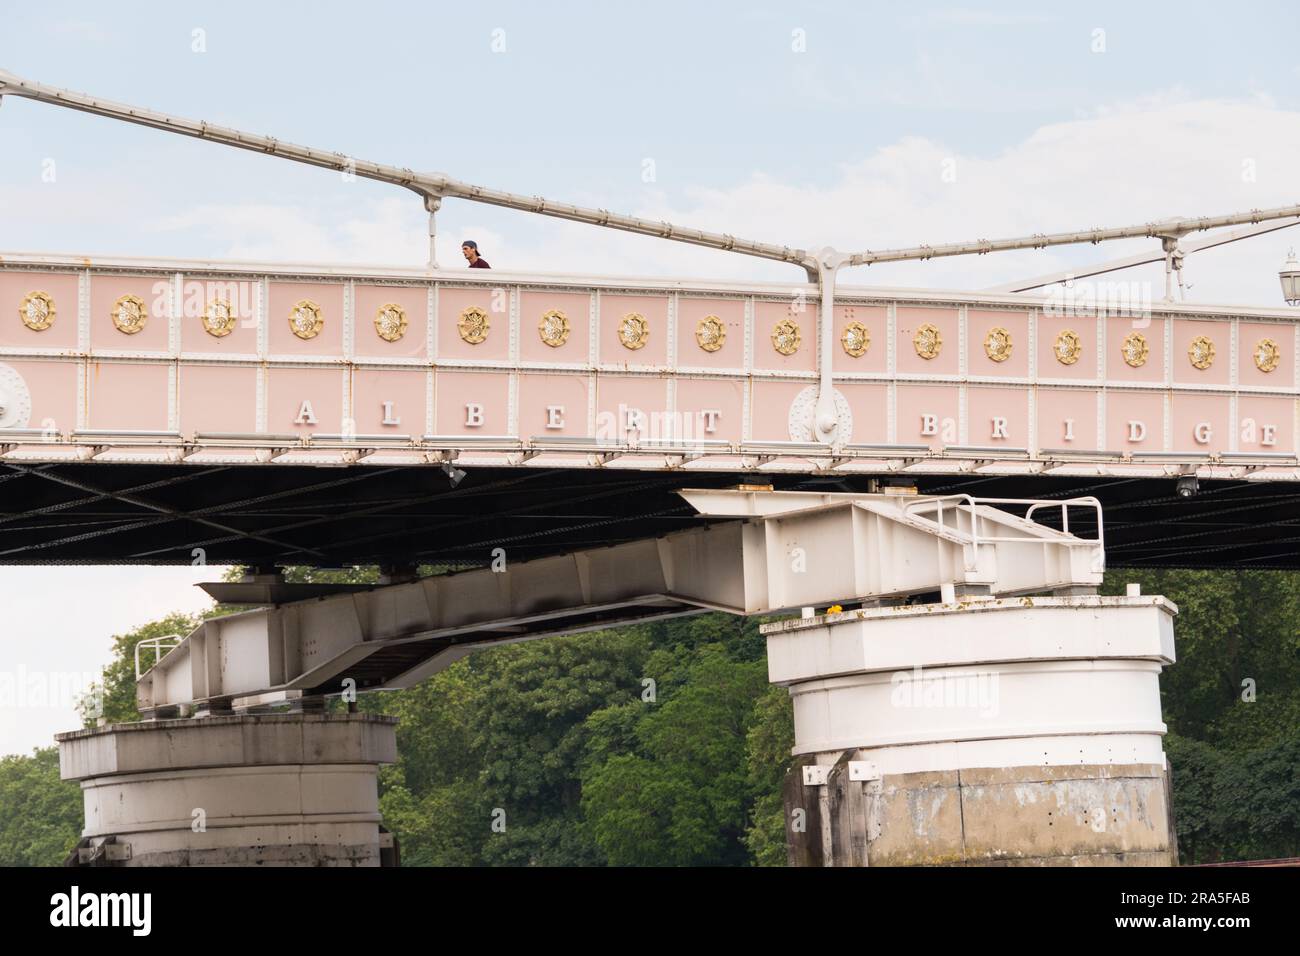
<point>37,311</point>
<point>856,339</point>
<point>997,344</point>
<point>633,330</point>
<point>473,325</point>
<point>390,322</point>
<point>786,337</point>
<point>305,319</point>
<point>129,314</point>
<point>710,333</point>
<point>1201,352</point>
<point>927,341</point>
<point>1135,349</point>
<point>554,328</point>
<point>219,318</point>
<point>1068,346</point>
<point>1267,355</point>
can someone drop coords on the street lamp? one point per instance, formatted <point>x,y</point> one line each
<point>1290,276</point>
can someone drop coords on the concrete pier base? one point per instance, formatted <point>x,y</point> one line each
<point>1012,731</point>
<point>275,790</point>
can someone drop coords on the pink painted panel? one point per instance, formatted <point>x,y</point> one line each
<point>288,388</point>
<point>622,401</point>
<point>1200,423</point>
<point>978,324</point>
<point>1118,328</point>
<point>197,294</point>
<point>1147,409</point>
<point>1265,424</point>
<point>1250,335</point>
<point>1067,418</point>
<point>218,398</point>
<point>912,318</point>
<point>767,315</point>
<point>712,403</point>
<point>414,301</point>
<point>612,350</point>
<point>770,410</point>
<point>927,408</point>
<point>875,319</point>
<point>1049,366</point>
<point>1220,334</point>
<point>406,389</point>
<point>61,287</point>
<point>537,392</point>
<point>998,416</point>
<point>462,399</point>
<point>576,308</point>
<point>126,396</point>
<point>869,404</point>
<point>690,312</point>
<point>281,340</point>
<point>452,304</point>
<point>154,291</point>
<point>53,387</point>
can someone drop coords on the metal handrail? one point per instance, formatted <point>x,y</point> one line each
<point>971,504</point>
<point>155,644</point>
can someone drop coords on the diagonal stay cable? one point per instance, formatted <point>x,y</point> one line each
<point>363,512</point>
<point>606,491</point>
<point>171,513</point>
<point>214,509</point>
<point>65,505</point>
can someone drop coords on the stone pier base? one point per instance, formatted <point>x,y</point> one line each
<point>998,731</point>
<point>1086,815</point>
<point>274,790</point>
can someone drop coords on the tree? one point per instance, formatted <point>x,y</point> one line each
<point>683,796</point>
<point>767,755</point>
<point>40,815</point>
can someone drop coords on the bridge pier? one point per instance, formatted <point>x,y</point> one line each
<point>1016,731</point>
<point>1015,720</point>
<point>294,789</point>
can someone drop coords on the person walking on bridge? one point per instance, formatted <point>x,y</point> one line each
<point>470,250</point>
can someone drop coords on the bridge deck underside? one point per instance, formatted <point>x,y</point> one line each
<point>159,514</point>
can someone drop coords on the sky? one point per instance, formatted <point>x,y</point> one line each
<point>855,125</point>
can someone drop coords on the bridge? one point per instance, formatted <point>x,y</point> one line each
<point>955,468</point>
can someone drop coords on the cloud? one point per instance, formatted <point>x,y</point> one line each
<point>83,29</point>
<point>1161,155</point>
<point>962,17</point>
<point>383,232</point>
<point>1164,156</point>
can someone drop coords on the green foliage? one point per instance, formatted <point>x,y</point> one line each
<point>645,745</point>
<point>439,828</point>
<point>40,815</point>
<point>1235,760</point>
<point>1231,626</point>
<point>767,755</point>
<point>682,796</point>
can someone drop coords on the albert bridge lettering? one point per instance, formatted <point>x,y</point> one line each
<point>117,347</point>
